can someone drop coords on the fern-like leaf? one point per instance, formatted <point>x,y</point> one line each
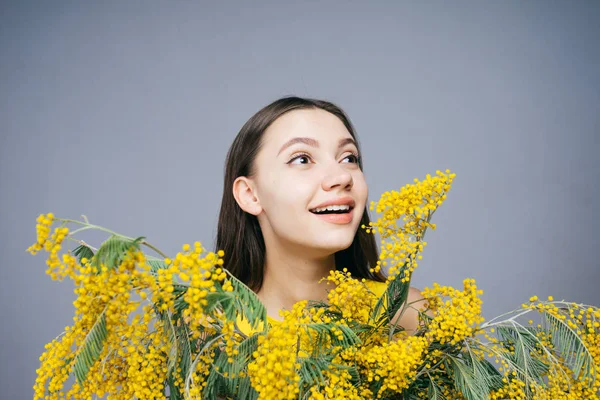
<point>82,251</point>
<point>113,250</point>
<point>514,362</point>
<point>484,372</point>
<point>185,349</point>
<point>310,371</point>
<point>575,353</point>
<point>348,337</point>
<point>246,347</point>
<point>525,355</point>
<point>466,380</point>
<point>390,302</point>
<point>434,391</point>
<point>155,264</point>
<point>90,350</point>
<point>246,303</point>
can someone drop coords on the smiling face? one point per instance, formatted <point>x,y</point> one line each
<point>308,161</point>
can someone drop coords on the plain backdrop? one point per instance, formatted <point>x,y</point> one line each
<point>124,111</point>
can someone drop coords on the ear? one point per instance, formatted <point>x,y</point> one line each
<point>244,193</point>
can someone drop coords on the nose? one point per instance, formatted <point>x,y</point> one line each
<point>337,177</point>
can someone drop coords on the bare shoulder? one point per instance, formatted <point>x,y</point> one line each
<point>415,295</point>
<point>409,317</point>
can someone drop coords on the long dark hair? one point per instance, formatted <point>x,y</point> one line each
<point>239,234</point>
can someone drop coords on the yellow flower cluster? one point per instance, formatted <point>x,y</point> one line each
<point>203,279</point>
<point>133,349</point>
<point>52,374</point>
<point>584,321</point>
<point>56,269</point>
<point>103,295</point>
<point>564,385</point>
<point>456,318</point>
<point>339,387</point>
<point>414,204</point>
<point>232,339</point>
<point>591,338</point>
<point>164,297</point>
<point>350,296</point>
<point>42,227</point>
<point>103,378</point>
<point>392,363</point>
<point>513,389</point>
<point>145,313</point>
<point>273,372</point>
<point>561,382</point>
<point>395,363</point>
<point>147,364</point>
<point>200,374</point>
<point>52,244</point>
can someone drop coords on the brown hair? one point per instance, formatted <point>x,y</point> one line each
<point>239,234</point>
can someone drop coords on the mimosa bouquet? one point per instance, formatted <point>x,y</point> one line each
<point>151,326</point>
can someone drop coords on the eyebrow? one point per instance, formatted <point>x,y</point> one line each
<point>314,143</point>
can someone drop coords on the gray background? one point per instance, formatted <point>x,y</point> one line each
<point>124,111</point>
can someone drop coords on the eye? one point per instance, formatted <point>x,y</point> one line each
<point>301,158</point>
<point>354,158</point>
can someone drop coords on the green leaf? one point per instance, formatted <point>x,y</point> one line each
<point>434,391</point>
<point>310,371</point>
<point>466,380</point>
<point>225,300</point>
<point>246,347</point>
<point>174,393</point>
<point>484,372</point>
<point>495,377</point>
<point>112,252</point>
<point>525,355</point>
<point>520,354</point>
<point>244,389</point>
<point>236,387</point>
<point>90,350</point>
<point>349,337</point>
<point>219,386</point>
<point>571,346</point>
<point>185,349</point>
<point>207,343</point>
<point>83,251</point>
<point>246,303</point>
<point>155,264</point>
<point>390,302</point>
<point>415,396</point>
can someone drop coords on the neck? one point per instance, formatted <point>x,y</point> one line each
<point>289,278</point>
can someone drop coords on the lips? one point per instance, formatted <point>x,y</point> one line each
<point>340,218</point>
<point>342,201</point>
<point>336,217</point>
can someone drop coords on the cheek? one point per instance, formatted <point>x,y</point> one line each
<point>295,194</point>
<point>280,194</point>
<point>360,187</point>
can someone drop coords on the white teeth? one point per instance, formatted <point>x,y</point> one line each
<point>332,208</point>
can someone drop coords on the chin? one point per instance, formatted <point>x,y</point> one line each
<point>333,244</point>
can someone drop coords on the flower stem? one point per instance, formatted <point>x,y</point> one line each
<point>153,248</point>
<point>81,242</point>
<point>92,226</point>
<point>489,323</point>
<point>87,225</point>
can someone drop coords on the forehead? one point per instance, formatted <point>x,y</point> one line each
<point>313,123</point>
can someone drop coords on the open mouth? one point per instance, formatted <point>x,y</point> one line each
<point>345,209</point>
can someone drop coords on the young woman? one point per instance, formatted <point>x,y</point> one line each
<point>293,202</point>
